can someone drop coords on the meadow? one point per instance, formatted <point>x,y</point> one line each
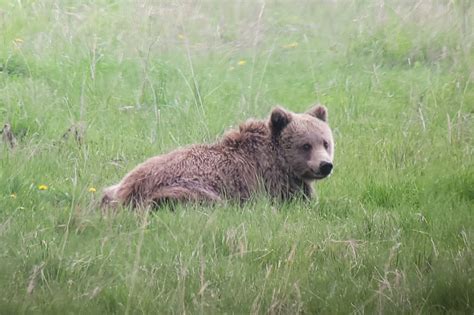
<point>91,88</point>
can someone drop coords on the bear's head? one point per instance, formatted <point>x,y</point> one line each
<point>305,140</point>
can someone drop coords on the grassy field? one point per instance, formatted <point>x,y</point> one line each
<point>91,88</point>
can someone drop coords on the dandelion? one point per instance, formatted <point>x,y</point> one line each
<point>291,45</point>
<point>242,62</point>
<point>13,195</point>
<point>17,42</point>
<point>92,190</point>
<point>43,187</point>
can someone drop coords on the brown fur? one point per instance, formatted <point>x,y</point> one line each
<point>261,156</point>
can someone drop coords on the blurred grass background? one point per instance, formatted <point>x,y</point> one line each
<point>91,88</point>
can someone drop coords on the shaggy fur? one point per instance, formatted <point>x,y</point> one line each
<point>280,156</point>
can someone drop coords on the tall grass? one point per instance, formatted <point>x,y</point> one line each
<point>90,89</point>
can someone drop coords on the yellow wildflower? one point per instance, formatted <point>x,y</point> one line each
<point>242,62</point>
<point>13,195</point>
<point>92,190</point>
<point>291,45</point>
<point>43,187</point>
<point>181,36</point>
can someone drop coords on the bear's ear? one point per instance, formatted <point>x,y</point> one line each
<point>319,111</point>
<point>279,119</point>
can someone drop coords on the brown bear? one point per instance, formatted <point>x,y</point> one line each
<point>280,156</point>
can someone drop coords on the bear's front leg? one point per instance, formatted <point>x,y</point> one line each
<point>307,190</point>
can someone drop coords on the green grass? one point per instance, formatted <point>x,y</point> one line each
<point>391,231</point>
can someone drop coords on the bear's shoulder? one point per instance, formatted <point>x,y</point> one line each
<point>250,132</point>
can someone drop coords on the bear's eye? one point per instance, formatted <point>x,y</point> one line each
<point>325,144</point>
<point>306,146</point>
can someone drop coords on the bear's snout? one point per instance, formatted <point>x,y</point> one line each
<point>325,168</point>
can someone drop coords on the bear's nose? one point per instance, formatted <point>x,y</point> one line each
<point>325,168</point>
